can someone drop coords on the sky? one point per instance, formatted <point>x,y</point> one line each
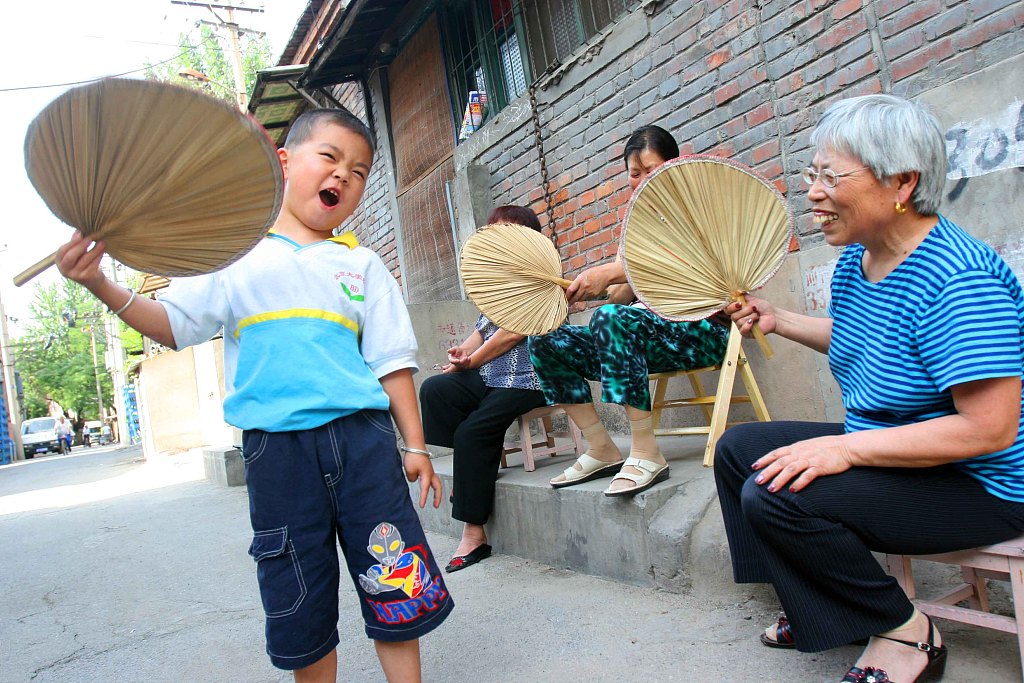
<point>64,41</point>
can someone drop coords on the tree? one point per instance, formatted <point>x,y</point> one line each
<point>206,55</point>
<point>54,355</point>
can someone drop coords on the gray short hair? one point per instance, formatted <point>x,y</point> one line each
<point>890,135</point>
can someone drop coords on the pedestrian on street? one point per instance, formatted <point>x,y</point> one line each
<point>64,434</point>
<point>318,347</point>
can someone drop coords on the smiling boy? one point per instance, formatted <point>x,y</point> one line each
<point>318,346</point>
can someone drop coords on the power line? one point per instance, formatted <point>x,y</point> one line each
<point>100,78</point>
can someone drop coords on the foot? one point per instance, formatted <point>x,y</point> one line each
<point>473,537</point>
<point>587,467</point>
<point>779,634</point>
<point>648,471</point>
<point>460,562</point>
<point>902,662</point>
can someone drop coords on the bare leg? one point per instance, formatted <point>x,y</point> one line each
<point>323,671</point>
<point>473,537</point>
<point>400,661</point>
<point>644,446</point>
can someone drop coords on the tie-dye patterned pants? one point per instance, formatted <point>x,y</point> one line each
<point>620,347</point>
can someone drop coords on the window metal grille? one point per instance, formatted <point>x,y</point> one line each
<point>557,28</point>
<point>495,48</point>
<point>483,49</point>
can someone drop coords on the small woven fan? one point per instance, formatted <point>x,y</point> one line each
<point>514,276</point>
<point>174,181</point>
<point>700,233</point>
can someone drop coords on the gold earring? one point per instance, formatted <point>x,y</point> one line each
<point>900,208</point>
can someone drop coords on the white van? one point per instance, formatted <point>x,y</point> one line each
<point>39,435</point>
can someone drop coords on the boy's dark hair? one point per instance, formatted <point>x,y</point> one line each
<point>654,138</point>
<point>519,215</point>
<point>304,126</point>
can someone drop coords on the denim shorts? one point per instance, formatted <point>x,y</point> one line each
<point>340,483</point>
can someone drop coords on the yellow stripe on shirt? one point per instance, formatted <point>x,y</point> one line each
<point>297,313</point>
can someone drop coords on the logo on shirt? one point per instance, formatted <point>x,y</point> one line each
<point>352,284</point>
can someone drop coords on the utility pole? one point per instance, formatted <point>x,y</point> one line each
<point>114,361</point>
<point>96,371</point>
<point>233,30</point>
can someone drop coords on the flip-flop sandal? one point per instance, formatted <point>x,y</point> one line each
<point>652,473</point>
<point>592,469</point>
<point>460,562</point>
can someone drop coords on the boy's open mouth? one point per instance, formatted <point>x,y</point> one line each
<point>329,197</point>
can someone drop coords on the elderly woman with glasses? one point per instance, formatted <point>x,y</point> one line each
<point>923,335</point>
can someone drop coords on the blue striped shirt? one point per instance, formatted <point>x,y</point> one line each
<point>952,312</point>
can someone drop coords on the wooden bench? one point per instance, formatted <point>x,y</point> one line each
<point>547,445</point>
<point>1002,561</point>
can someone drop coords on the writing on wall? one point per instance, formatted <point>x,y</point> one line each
<point>818,287</point>
<point>986,145</point>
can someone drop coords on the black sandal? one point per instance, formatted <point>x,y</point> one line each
<point>783,636</point>
<point>932,671</point>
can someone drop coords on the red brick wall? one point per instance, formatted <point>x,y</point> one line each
<point>371,221</point>
<point>739,79</point>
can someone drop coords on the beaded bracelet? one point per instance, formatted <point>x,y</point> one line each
<point>126,305</point>
<point>418,451</point>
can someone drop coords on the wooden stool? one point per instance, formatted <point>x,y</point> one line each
<point>547,445</point>
<point>715,406</point>
<point>1002,561</point>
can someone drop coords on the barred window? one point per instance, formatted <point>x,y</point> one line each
<point>557,28</point>
<point>495,48</point>
<point>483,50</point>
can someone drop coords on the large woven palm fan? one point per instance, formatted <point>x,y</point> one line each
<point>700,233</point>
<point>174,181</point>
<point>514,276</point>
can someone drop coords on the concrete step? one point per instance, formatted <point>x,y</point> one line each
<point>670,536</point>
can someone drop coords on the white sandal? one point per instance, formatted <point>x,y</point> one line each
<point>651,474</point>
<point>592,468</point>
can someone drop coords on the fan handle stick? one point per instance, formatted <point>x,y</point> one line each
<point>30,272</point>
<point>762,341</point>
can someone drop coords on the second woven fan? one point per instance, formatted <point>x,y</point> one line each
<point>700,233</point>
<point>514,276</point>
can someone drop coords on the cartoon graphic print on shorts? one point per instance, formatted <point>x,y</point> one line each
<point>399,570</point>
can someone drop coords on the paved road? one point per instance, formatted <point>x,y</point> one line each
<point>112,569</point>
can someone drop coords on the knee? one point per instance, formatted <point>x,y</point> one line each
<point>732,452</point>
<point>605,316</point>
<point>430,389</point>
<point>757,502</point>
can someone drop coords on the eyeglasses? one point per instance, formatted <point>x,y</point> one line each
<point>829,178</point>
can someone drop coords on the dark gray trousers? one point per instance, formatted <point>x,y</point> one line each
<point>815,546</point>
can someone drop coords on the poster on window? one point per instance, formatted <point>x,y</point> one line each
<point>473,117</point>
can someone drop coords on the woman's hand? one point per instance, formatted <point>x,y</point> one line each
<point>803,462</point>
<point>592,282</point>
<point>459,359</point>
<point>77,262</point>
<point>755,311</point>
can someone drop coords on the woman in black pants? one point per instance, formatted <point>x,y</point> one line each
<point>487,384</point>
<point>924,337</point>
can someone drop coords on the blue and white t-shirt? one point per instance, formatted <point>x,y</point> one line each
<point>308,331</point>
<point>510,370</point>
<point>952,312</point>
